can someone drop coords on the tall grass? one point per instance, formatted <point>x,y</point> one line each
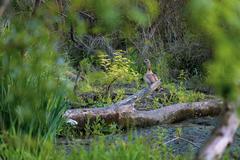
<point>31,88</point>
<point>101,149</point>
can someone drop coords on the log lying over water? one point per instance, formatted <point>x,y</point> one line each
<point>124,113</point>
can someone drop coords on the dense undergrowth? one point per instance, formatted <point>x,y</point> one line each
<point>118,79</point>
<point>35,91</point>
<point>27,148</point>
<point>108,52</point>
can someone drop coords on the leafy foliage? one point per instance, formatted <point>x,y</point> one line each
<point>219,20</point>
<point>115,70</point>
<point>119,67</point>
<point>32,94</point>
<point>33,88</point>
<point>100,149</point>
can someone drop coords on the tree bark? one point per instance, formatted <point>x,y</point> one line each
<point>3,6</point>
<point>125,114</point>
<point>221,138</point>
<point>35,7</point>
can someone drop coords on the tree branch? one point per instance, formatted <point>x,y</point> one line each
<point>221,138</point>
<point>125,114</point>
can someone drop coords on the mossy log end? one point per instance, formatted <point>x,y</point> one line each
<point>124,113</point>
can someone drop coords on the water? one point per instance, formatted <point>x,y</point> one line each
<point>193,133</point>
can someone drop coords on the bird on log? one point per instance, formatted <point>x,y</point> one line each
<point>149,77</point>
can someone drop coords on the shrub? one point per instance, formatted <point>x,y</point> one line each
<point>31,88</point>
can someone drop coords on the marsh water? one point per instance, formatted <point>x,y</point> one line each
<point>193,133</point>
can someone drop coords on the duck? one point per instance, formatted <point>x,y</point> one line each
<point>149,76</point>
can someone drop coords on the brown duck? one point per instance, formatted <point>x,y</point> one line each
<point>149,77</point>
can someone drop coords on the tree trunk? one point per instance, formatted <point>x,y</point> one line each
<point>125,114</point>
<point>221,138</point>
<point>3,6</point>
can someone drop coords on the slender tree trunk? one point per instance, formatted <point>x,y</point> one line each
<point>3,5</point>
<point>221,138</point>
<point>35,7</point>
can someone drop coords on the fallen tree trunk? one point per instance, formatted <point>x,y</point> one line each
<point>125,114</point>
<point>221,138</point>
<point>173,113</point>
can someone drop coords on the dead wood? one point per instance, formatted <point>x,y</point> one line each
<point>125,114</point>
<point>221,138</point>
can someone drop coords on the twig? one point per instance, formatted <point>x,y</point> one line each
<point>109,85</point>
<point>86,14</point>
<point>180,138</point>
<point>172,140</point>
<point>189,142</point>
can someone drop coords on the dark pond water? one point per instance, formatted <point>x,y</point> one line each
<point>193,133</point>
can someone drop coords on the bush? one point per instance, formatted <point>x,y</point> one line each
<point>32,90</point>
